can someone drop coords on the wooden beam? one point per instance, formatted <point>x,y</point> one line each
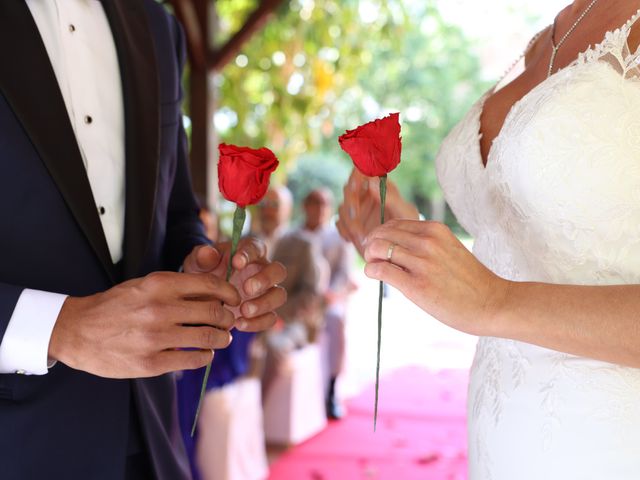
<point>224,54</point>
<point>188,14</point>
<point>200,106</point>
<point>196,17</point>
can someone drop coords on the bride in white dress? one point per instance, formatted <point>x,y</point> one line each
<point>545,174</point>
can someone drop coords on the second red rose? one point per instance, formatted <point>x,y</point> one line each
<point>374,147</point>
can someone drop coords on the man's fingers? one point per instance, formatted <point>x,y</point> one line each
<point>270,301</point>
<point>256,324</point>
<point>272,274</point>
<point>250,250</point>
<point>202,312</point>
<point>175,360</point>
<point>202,259</point>
<point>191,286</point>
<point>201,337</point>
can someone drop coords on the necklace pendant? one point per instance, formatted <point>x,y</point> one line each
<point>554,52</point>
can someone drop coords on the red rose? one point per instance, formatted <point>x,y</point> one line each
<point>374,147</point>
<point>243,173</point>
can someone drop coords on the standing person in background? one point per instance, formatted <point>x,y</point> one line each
<point>318,209</point>
<point>95,200</point>
<point>273,217</point>
<point>307,275</point>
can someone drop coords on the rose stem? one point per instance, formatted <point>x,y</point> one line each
<point>383,198</point>
<point>238,223</point>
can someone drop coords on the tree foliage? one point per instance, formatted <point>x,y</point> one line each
<point>321,67</point>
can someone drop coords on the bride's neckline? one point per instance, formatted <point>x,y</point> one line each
<point>539,85</point>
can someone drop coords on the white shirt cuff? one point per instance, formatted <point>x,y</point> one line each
<point>25,345</point>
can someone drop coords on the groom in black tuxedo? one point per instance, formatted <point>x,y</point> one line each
<point>95,195</point>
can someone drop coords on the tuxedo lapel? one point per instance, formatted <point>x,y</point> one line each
<point>138,69</point>
<point>28,82</point>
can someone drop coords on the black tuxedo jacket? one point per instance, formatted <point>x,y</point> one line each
<point>69,424</point>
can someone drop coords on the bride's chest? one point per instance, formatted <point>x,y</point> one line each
<point>569,151</point>
<point>497,106</point>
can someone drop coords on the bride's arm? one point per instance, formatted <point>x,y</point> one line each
<point>435,271</point>
<point>601,322</point>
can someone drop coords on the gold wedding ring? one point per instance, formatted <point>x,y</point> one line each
<point>390,252</point>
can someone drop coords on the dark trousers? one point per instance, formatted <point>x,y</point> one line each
<point>138,467</point>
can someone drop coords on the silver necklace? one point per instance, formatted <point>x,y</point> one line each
<point>557,46</point>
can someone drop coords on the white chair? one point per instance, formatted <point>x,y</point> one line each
<point>231,444</point>
<point>294,408</point>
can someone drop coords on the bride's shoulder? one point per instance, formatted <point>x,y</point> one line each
<point>633,40</point>
<point>628,12</point>
<point>536,45</point>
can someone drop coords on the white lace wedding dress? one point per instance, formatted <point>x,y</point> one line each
<point>558,202</point>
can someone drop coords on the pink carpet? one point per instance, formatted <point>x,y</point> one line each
<point>421,434</point>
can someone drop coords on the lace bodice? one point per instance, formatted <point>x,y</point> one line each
<point>562,179</point>
<point>558,202</point>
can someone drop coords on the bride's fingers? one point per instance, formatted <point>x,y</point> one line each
<point>343,222</point>
<point>369,216</point>
<point>358,212</point>
<point>410,240</point>
<point>352,201</point>
<point>396,205</point>
<point>424,228</point>
<point>395,251</point>
<point>388,273</point>
<point>357,183</point>
<point>350,223</point>
<point>342,228</point>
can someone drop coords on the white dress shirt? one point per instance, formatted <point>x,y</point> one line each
<point>81,49</point>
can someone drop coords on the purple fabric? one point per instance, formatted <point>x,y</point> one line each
<point>228,364</point>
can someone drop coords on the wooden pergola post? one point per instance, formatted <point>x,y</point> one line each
<point>200,22</point>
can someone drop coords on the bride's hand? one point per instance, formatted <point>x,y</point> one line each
<point>434,270</point>
<point>359,213</point>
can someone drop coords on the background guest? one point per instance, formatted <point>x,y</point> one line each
<point>318,209</point>
<point>301,317</point>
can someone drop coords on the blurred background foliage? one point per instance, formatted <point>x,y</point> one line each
<point>321,67</point>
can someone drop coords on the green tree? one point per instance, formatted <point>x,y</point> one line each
<point>321,67</point>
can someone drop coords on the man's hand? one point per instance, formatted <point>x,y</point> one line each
<point>142,328</point>
<point>256,279</point>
